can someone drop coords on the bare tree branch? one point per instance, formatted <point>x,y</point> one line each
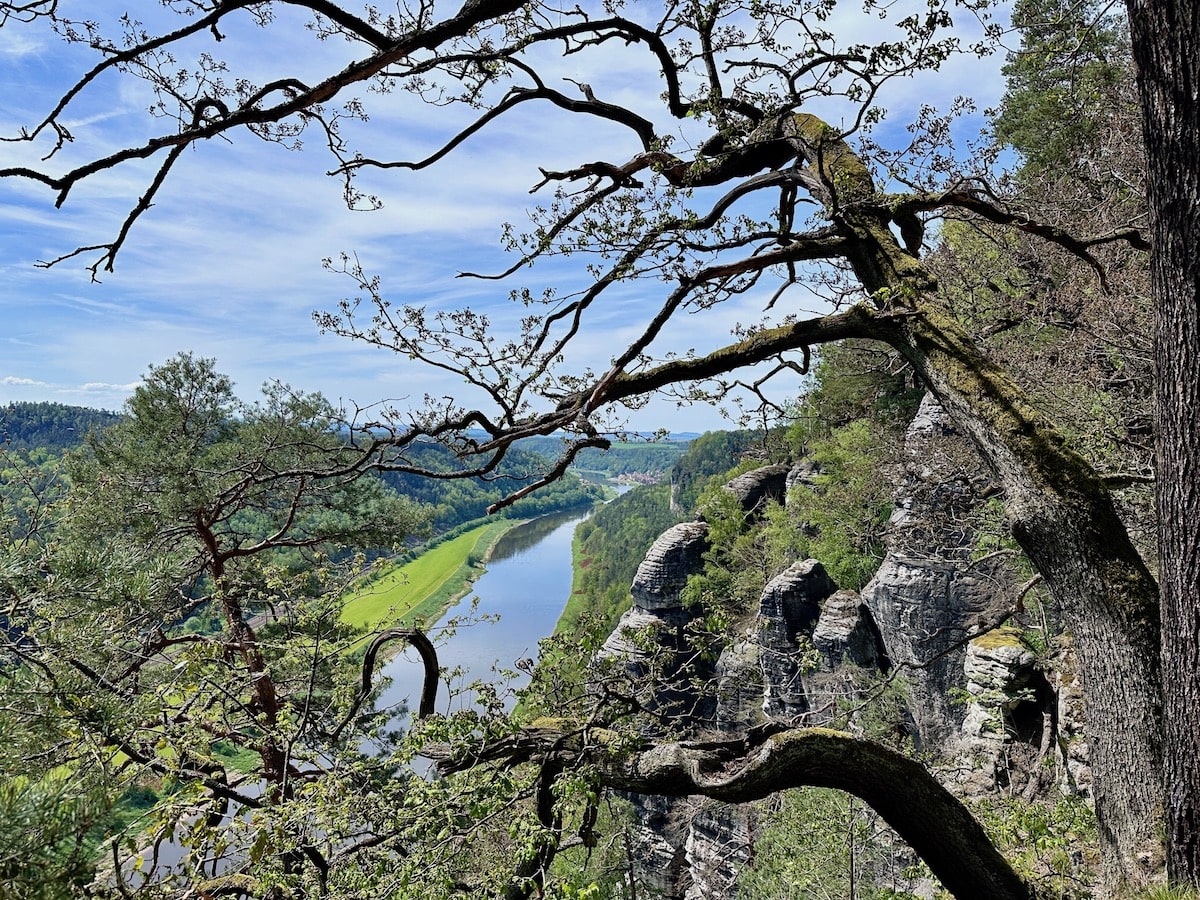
<point>418,640</point>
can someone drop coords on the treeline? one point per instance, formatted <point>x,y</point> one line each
<point>53,427</point>
<point>35,436</point>
<point>454,501</point>
<point>623,458</point>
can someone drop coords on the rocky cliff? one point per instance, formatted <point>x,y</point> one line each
<point>975,697</point>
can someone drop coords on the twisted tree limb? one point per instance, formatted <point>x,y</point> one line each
<point>419,641</point>
<point>932,820</point>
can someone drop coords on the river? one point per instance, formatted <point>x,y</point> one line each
<point>520,597</point>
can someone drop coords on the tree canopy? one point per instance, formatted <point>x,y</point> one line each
<point>780,185</point>
<point>50,426</point>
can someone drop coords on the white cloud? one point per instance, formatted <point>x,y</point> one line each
<point>104,386</point>
<point>14,381</point>
<point>16,44</point>
<point>227,261</point>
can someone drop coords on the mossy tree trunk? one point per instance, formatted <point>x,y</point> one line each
<point>1062,516</point>
<point>1166,41</point>
<point>925,814</point>
<point>1060,511</point>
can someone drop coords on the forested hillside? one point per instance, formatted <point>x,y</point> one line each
<point>37,434</point>
<point>648,459</point>
<point>53,427</point>
<point>456,500</point>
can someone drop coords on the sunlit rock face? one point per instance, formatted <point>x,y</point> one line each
<point>787,614</point>
<point>846,632</point>
<point>979,701</point>
<point>657,617</point>
<point>648,652</point>
<point>929,591</point>
<point>753,489</point>
<point>1022,732</point>
<point>672,559</point>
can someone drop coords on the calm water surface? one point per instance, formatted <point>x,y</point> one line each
<point>520,597</point>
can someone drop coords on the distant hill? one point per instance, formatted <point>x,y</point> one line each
<point>52,426</point>
<point>623,458</point>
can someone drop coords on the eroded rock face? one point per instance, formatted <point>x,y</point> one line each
<point>928,593</point>
<point>672,559</point>
<point>845,632</point>
<point>658,846</point>
<point>657,617</point>
<point>651,636</point>
<point>997,668</point>
<point>788,613</point>
<point>922,607</point>
<point>804,472</point>
<point>985,704</point>
<point>741,683</point>
<point>716,850</point>
<point>680,848</point>
<point>753,489</point>
<point>791,602</point>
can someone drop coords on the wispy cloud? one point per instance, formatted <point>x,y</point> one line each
<point>13,381</point>
<point>16,44</point>
<point>102,386</point>
<point>227,262</point>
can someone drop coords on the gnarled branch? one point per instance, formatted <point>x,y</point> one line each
<point>933,821</point>
<point>418,640</point>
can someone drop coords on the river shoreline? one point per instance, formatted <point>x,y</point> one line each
<point>496,641</point>
<point>440,583</point>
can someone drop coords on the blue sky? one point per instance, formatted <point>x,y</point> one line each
<point>228,262</point>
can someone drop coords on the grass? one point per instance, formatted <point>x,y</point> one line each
<point>422,590</point>
<point>577,604</point>
<point>240,759</point>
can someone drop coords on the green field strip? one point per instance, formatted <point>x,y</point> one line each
<point>421,590</point>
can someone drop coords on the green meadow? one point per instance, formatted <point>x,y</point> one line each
<point>421,590</point>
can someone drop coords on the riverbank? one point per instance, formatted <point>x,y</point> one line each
<point>578,604</point>
<point>420,591</point>
<point>497,641</point>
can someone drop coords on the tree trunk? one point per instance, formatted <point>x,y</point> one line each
<point>1166,45</point>
<point>1060,511</point>
<point>1063,517</point>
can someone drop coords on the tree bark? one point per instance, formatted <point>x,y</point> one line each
<point>1166,45</point>
<point>931,819</point>
<point>1060,511</point>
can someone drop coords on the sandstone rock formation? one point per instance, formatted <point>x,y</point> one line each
<point>979,698</point>
<point>928,593</point>
<point>787,615</point>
